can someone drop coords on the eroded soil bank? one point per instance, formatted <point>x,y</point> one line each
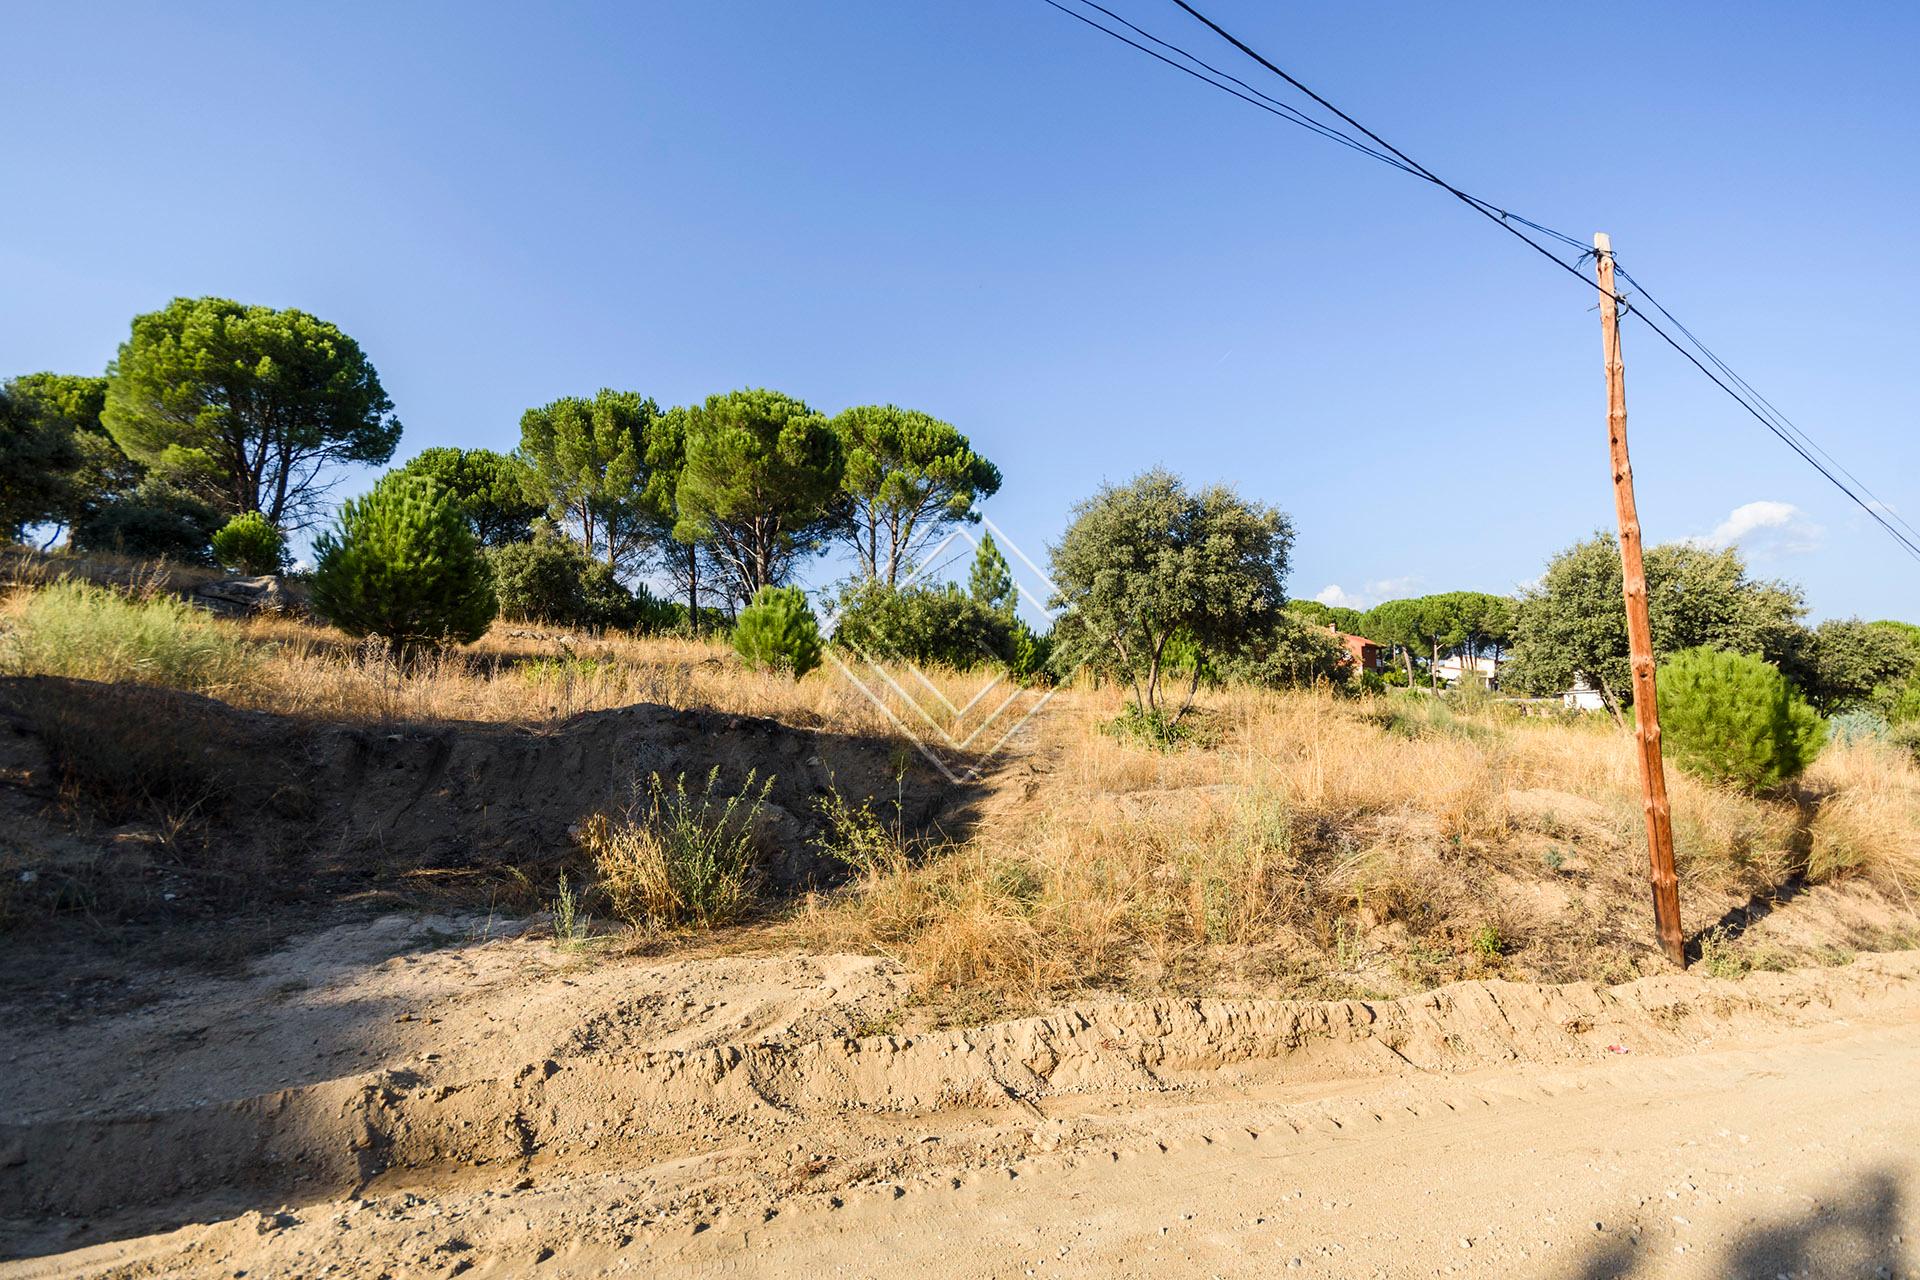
<point>438,1096</point>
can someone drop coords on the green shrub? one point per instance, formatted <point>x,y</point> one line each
<point>154,519</point>
<point>1857,726</point>
<point>1031,657</point>
<point>90,633</point>
<point>861,839</point>
<point>551,580</point>
<point>685,859</point>
<point>778,632</point>
<point>1900,703</point>
<point>1160,730</point>
<point>925,625</point>
<point>251,544</point>
<point>713,622</point>
<point>403,564</point>
<point>1734,718</point>
<point>1289,653</point>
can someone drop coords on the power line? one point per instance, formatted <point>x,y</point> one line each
<point>1292,113</point>
<point>1783,429</point>
<point>1726,379</point>
<point>1252,96</point>
<point>1396,160</point>
<point>1772,411</point>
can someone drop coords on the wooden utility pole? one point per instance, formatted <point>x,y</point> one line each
<point>1646,705</point>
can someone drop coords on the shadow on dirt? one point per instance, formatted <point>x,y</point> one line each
<point>164,818</point>
<point>1854,1231</point>
<point>1737,920</point>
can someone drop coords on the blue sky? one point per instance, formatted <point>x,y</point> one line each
<point>1089,264</point>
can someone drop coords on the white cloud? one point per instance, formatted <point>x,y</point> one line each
<point>1337,596</point>
<point>1371,594</point>
<point>1777,527</point>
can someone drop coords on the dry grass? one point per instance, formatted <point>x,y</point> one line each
<point>88,632</point>
<point>1869,816</point>
<point>26,567</point>
<point>1307,843</point>
<point>678,857</point>
<point>1324,845</point>
<point>514,674</point>
<point>524,675</point>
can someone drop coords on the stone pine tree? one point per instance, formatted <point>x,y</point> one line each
<point>908,477</point>
<point>682,550</point>
<point>1468,622</point>
<point>586,461</point>
<point>991,581</point>
<point>758,486</point>
<point>402,563</point>
<point>1396,623</point>
<point>254,408</point>
<point>1733,718</point>
<point>778,632</point>
<point>493,488</point>
<point>69,406</point>
<point>37,458</point>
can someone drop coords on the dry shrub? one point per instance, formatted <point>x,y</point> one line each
<point>1868,821</point>
<point>1315,836</point>
<point>682,858</point>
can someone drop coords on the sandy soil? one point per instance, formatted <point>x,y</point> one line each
<point>428,1097</point>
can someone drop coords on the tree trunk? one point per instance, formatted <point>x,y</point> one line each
<point>1612,703</point>
<point>693,588</point>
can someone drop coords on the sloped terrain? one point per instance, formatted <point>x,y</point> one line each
<point>286,806</point>
<point>425,1097</point>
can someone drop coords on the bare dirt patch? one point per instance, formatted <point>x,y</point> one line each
<point>409,1095</point>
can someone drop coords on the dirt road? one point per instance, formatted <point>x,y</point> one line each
<point>1802,1160</point>
<point>505,1112</point>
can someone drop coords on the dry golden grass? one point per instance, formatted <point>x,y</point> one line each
<point>525,675</point>
<point>1307,843</point>
<point>1324,844</point>
<point>514,674</point>
<point>1869,816</point>
<point>25,567</point>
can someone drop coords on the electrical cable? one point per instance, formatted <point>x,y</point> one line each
<point>1736,387</point>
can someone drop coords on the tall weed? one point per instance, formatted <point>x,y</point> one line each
<point>1869,821</point>
<point>679,858</point>
<point>88,632</point>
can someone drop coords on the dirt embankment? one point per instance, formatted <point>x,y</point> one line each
<point>414,1087</point>
<point>308,800</point>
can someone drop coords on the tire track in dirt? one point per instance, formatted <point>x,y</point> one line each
<point>741,1117</point>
